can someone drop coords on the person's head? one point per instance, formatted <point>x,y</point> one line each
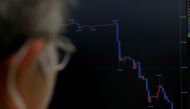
<point>29,37</point>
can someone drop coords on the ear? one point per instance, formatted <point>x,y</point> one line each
<point>35,47</point>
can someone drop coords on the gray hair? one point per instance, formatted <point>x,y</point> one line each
<point>22,19</point>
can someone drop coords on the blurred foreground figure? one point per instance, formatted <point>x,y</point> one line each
<point>29,60</point>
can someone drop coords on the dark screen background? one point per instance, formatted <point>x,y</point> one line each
<point>149,32</point>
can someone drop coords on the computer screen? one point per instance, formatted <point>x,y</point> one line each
<point>131,54</point>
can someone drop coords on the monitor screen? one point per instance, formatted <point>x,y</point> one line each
<point>131,54</point>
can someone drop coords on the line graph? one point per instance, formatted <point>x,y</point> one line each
<point>136,65</point>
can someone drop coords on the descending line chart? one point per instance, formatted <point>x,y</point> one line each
<point>130,54</point>
<point>136,65</point>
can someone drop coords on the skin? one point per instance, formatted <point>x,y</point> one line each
<point>30,81</point>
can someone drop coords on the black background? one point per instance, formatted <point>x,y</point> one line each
<point>149,32</point>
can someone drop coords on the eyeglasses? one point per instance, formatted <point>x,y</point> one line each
<point>49,60</point>
<point>57,55</point>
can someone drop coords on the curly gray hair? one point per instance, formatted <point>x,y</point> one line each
<point>22,19</point>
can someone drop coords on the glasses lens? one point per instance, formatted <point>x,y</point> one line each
<point>65,49</point>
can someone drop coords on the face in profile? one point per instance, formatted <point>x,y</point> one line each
<point>28,75</point>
